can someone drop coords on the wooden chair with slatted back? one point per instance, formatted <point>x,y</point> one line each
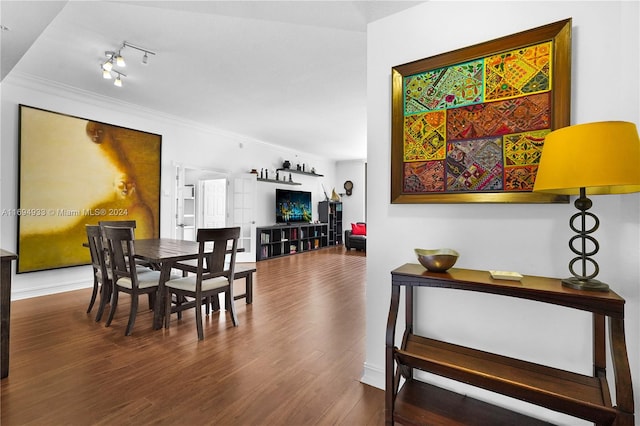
<point>127,277</point>
<point>213,276</point>
<point>101,274</point>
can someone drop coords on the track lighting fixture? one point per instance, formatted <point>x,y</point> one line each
<point>116,59</point>
<point>120,61</point>
<point>118,81</point>
<point>107,66</point>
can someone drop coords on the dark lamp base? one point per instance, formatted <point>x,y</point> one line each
<point>588,285</point>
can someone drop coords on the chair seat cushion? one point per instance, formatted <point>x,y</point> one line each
<point>146,279</point>
<point>189,283</point>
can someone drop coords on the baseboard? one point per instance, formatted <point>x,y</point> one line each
<point>373,375</point>
<point>26,293</point>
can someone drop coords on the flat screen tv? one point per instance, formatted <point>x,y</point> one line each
<point>293,206</point>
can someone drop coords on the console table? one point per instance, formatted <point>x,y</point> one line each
<point>5,309</point>
<point>578,395</point>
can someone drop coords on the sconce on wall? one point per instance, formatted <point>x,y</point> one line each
<point>117,59</point>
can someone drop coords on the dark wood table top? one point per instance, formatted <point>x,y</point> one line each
<point>544,289</point>
<point>160,250</point>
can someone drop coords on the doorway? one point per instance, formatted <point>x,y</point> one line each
<point>214,199</point>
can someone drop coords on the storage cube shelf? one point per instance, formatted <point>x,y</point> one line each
<point>284,240</point>
<point>331,213</point>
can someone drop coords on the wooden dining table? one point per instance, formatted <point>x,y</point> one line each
<point>163,253</point>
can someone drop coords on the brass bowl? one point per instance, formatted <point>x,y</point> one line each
<point>437,260</point>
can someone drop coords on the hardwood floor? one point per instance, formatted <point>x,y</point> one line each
<point>295,359</point>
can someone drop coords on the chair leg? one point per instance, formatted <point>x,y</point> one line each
<point>152,301</point>
<point>231,306</point>
<point>199,321</point>
<point>94,293</point>
<point>114,305</point>
<point>167,307</point>
<point>215,303</point>
<point>105,295</point>
<point>249,289</point>
<point>132,314</point>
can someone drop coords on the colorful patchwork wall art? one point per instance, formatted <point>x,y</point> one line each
<point>469,125</point>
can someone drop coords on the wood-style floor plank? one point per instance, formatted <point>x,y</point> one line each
<point>295,358</point>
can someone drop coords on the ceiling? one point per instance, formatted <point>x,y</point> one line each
<point>289,73</point>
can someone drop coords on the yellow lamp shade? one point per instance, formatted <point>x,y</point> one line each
<point>603,157</point>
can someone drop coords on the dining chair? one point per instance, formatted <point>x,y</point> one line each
<point>118,223</point>
<point>127,276</point>
<point>214,275</point>
<point>101,273</point>
<point>126,224</point>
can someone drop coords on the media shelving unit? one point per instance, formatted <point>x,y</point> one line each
<point>579,395</point>
<point>331,213</point>
<point>285,240</point>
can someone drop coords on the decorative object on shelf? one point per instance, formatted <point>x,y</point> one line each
<point>468,145</point>
<point>116,59</point>
<point>286,164</point>
<point>254,172</point>
<point>438,260</point>
<point>326,196</point>
<point>334,195</point>
<point>506,275</point>
<point>300,172</point>
<point>593,158</point>
<point>290,179</point>
<point>348,186</point>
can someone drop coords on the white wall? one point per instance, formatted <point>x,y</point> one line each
<point>353,206</point>
<point>192,144</point>
<point>531,239</point>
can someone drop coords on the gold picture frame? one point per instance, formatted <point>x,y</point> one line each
<point>430,151</point>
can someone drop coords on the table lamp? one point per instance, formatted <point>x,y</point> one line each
<point>589,159</point>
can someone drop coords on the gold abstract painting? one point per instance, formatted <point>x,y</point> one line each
<point>75,172</point>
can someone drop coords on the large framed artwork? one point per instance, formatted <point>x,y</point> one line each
<point>468,126</point>
<point>74,172</point>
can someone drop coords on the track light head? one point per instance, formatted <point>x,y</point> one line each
<point>118,81</point>
<point>108,66</point>
<point>120,61</point>
<point>106,74</point>
<point>145,58</point>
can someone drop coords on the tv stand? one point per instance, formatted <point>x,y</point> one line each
<point>287,239</point>
<point>578,395</point>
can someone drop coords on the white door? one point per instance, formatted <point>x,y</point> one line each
<point>243,214</point>
<point>214,203</point>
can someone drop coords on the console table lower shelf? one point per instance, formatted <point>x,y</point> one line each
<point>578,395</point>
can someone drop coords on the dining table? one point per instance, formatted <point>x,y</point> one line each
<point>162,254</point>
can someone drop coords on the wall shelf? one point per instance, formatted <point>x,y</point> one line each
<point>284,182</point>
<point>300,172</point>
